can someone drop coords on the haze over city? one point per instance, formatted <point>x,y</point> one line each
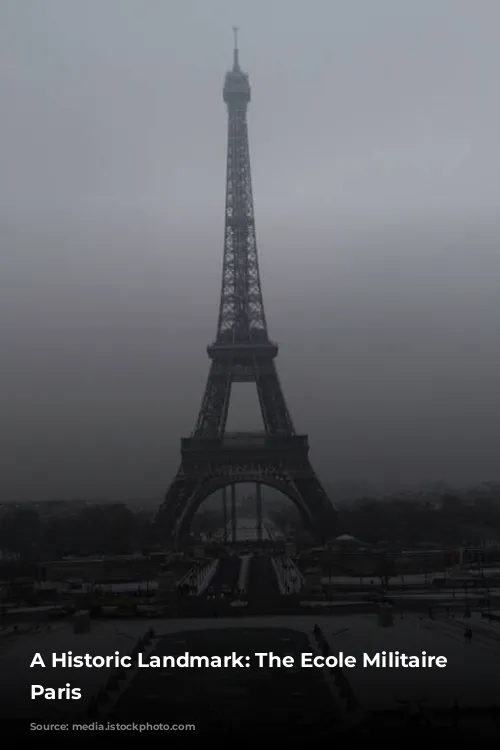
<point>373,135</point>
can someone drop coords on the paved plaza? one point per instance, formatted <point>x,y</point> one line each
<point>231,696</point>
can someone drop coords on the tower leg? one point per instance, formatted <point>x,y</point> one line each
<point>258,496</point>
<point>233,513</point>
<point>320,507</point>
<point>224,513</point>
<point>172,508</point>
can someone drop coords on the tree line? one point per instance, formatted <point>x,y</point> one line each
<point>114,528</point>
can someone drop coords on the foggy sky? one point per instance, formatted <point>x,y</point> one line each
<point>374,144</point>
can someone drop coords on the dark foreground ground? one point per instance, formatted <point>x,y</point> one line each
<point>231,698</point>
<point>293,706</point>
<point>250,705</point>
<point>243,706</point>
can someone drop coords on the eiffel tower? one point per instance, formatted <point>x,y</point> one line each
<point>212,458</point>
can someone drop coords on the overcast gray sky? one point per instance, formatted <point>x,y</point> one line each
<point>374,141</point>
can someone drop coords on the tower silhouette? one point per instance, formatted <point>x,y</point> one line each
<point>213,459</point>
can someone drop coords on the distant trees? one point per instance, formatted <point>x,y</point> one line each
<point>207,522</point>
<point>445,520</point>
<point>285,517</point>
<point>20,532</point>
<point>64,529</point>
<point>100,529</point>
<point>95,529</point>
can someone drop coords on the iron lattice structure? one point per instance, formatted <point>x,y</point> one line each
<point>242,351</point>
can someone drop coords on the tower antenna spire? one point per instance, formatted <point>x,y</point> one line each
<point>236,63</point>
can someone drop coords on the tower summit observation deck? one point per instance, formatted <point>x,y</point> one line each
<point>236,84</point>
